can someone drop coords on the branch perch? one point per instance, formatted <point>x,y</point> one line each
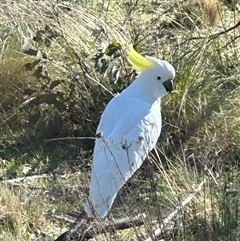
<point>82,230</point>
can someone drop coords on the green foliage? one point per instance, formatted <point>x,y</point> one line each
<point>51,106</point>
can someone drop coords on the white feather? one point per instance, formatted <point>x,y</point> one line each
<point>128,130</point>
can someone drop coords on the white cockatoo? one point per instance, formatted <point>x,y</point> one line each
<point>128,130</point>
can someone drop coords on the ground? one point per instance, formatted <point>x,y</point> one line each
<point>61,62</point>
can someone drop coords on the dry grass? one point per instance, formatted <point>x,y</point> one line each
<point>200,136</point>
<point>197,13</point>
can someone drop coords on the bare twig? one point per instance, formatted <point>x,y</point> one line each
<point>224,31</point>
<point>22,179</point>
<point>70,138</point>
<point>213,36</point>
<point>159,231</point>
<point>64,218</point>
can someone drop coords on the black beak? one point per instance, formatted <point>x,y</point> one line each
<point>168,84</point>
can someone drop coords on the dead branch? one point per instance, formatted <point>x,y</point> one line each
<point>22,179</point>
<point>99,228</point>
<point>224,31</point>
<point>120,225</point>
<point>125,224</point>
<point>70,138</point>
<point>215,35</point>
<point>64,218</point>
<point>165,221</point>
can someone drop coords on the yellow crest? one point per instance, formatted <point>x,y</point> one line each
<point>139,62</point>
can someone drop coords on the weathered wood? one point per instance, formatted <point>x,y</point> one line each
<point>84,229</point>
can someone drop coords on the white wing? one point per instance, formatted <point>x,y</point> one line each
<point>128,130</point>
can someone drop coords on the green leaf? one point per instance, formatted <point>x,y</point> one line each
<point>28,91</point>
<point>97,32</point>
<point>30,51</point>
<point>104,66</point>
<point>113,49</point>
<point>55,84</point>
<point>30,66</point>
<point>114,74</point>
<point>33,116</point>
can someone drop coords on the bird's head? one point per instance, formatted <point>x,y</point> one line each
<point>153,68</point>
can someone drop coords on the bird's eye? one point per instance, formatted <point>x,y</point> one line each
<point>159,78</point>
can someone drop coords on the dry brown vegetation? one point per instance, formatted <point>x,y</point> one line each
<point>62,61</point>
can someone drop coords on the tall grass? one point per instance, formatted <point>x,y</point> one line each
<point>56,78</point>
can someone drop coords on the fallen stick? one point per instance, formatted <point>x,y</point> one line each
<point>179,207</point>
<point>81,232</point>
<point>120,225</point>
<point>22,179</point>
<point>35,177</point>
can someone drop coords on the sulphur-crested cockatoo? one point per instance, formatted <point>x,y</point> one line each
<point>128,130</point>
